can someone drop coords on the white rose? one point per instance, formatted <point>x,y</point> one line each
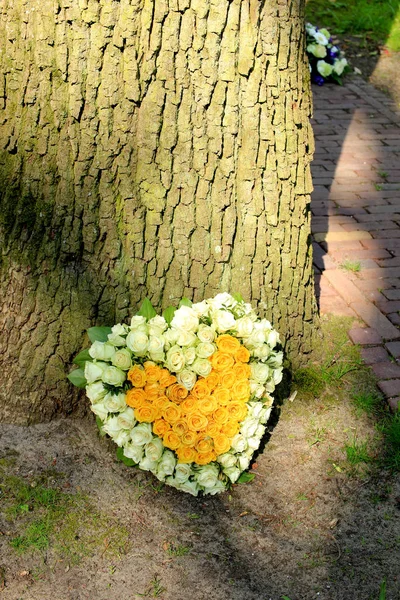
<point>201,308</point>
<point>206,333</point>
<point>137,341</point>
<point>227,460</point>
<point>113,376</point>
<point>259,372</point>
<point>158,357</point>
<point>244,462</point>
<point>239,443</point>
<point>115,402</point>
<point>134,452</point>
<point>114,430</point>
<point>126,420</point>
<point>183,472</point>
<point>223,320</point>
<point>205,349</point>
<point>339,65</point>
<point>122,359</point>
<point>147,464</point>
<point>95,391</point>
<point>317,50</point>
<point>276,359</point>
<point>101,350</point>
<point>190,355</point>
<point>185,318</point>
<point>244,326</point>
<point>202,367</point>
<point>259,432</point>
<point>277,375</point>
<point>223,299</point>
<point>166,465</point>
<point>256,389</point>
<point>156,344</point>
<point>154,449</point>
<point>216,488</point>
<point>256,339</point>
<point>141,434</point>
<point>324,68</point>
<point>253,442</point>
<point>262,352</point>
<point>189,487</point>
<point>138,321</point>
<point>255,409</point>
<point>265,415</point>
<point>117,335</point>
<point>187,378</point>
<point>248,427</point>
<point>157,324</point>
<point>320,38</point>
<point>175,360</point>
<point>171,335</point>
<point>185,338</point>
<point>100,410</point>
<point>233,473</point>
<point>273,339</point>
<point>207,475</point>
<point>94,370</point>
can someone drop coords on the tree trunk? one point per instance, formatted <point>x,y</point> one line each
<point>153,148</point>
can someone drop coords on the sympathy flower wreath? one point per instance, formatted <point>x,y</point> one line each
<point>327,62</point>
<point>185,395</point>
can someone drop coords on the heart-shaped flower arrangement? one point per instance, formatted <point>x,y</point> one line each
<point>185,395</point>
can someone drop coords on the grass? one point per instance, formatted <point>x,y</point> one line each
<point>46,517</point>
<point>177,550</point>
<point>357,452</point>
<point>351,265</point>
<point>372,20</point>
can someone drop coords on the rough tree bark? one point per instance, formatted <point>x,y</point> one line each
<point>154,148</point>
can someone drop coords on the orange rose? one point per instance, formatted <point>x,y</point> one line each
<point>171,440</point>
<point>207,405</point>
<point>221,415</point>
<point>227,343</point>
<point>242,371</point>
<point>172,413</point>
<point>204,444</point>
<point>135,398</point>
<point>180,427</point>
<point>241,390</point>
<point>177,393</point>
<point>213,428</point>
<point>186,454</point>
<point>228,378</point>
<point>146,413</point>
<point>222,361</point>
<point>152,391</point>
<point>231,428</point>
<point>137,376</point>
<point>237,411</point>
<point>200,389</point>
<point>196,421</point>
<point>221,443</point>
<point>242,355</point>
<point>222,396</point>
<point>160,427</point>
<point>166,378</point>
<point>190,405</point>
<point>203,458</point>
<point>189,438</point>
<point>212,380</point>
<point>153,372</point>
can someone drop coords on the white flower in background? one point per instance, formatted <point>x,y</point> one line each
<point>223,300</point>
<point>166,464</point>
<point>185,338</point>
<point>201,309</point>
<point>216,488</point>
<point>96,391</point>
<point>275,360</point>
<point>227,460</point>
<point>239,443</point>
<point>138,321</point>
<point>114,430</point>
<point>248,427</point>
<point>154,449</point>
<point>141,434</point>
<point>223,320</point>
<point>326,33</point>
<point>94,370</point>
<point>138,342</point>
<point>262,352</point>
<point>156,344</point>
<point>147,464</point>
<point>157,325</point>
<point>126,420</point>
<point>115,402</point>
<point>233,473</point>
<point>170,336</point>
<point>273,339</point>
<point>175,359</point>
<point>244,326</point>
<point>256,389</point>
<point>202,367</point>
<point>205,349</point>
<point>317,50</point>
<point>320,38</point>
<point>277,375</point>
<point>187,378</point>
<point>101,350</point>
<point>113,376</point>
<point>100,410</point>
<point>339,66</point>
<point>118,335</point>
<point>185,318</point>
<point>207,475</point>
<point>190,487</point>
<point>324,68</point>
<point>183,472</point>
<point>122,359</point>
<point>190,355</point>
<point>206,333</point>
<point>244,462</point>
<point>134,452</point>
<point>259,372</point>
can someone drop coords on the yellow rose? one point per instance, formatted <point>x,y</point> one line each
<point>237,411</point>
<point>172,413</point>
<point>135,398</point>
<point>212,380</point>
<point>228,378</point>
<point>196,421</point>
<point>137,376</point>
<point>207,405</point>
<point>242,371</point>
<point>180,427</point>
<point>189,405</point>
<point>222,396</point>
<point>231,428</point>
<point>177,393</point>
<point>241,390</point>
<point>242,355</point>
<point>227,343</point>
<point>166,378</point>
<point>222,361</point>
<point>222,443</point>
<point>221,415</point>
<point>160,427</point>
<point>203,458</point>
<point>200,389</point>
<point>213,428</point>
<point>153,372</point>
<point>146,413</point>
<point>204,445</point>
<point>186,454</point>
<point>189,438</point>
<point>152,391</point>
<point>171,440</point>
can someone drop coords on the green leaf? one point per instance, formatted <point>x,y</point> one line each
<point>285,598</point>
<point>185,302</point>
<point>127,461</point>
<point>81,358</point>
<point>147,310</point>
<point>99,334</point>
<point>382,590</point>
<point>238,297</point>
<point>246,477</point>
<point>168,314</point>
<point>77,378</point>
<point>100,424</point>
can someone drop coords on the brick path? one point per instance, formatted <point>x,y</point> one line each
<point>356,219</point>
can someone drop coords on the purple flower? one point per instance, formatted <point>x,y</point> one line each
<point>318,79</point>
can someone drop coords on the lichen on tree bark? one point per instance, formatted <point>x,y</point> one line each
<point>154,148</point>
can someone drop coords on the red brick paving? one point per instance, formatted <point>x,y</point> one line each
<point>356,217</point>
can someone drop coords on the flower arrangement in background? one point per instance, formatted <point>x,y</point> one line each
<point>185,395</point>
<point>327,62</point>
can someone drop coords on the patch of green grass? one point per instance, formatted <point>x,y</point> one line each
<point>369,401</point>
<point>154,589</point>
<point>374,20</point>
<point>357,452</point>
<point>351,265</point>
<point>390,429</point>
<point>177,550</point>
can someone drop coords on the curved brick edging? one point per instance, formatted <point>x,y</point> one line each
<point>356,216</point>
